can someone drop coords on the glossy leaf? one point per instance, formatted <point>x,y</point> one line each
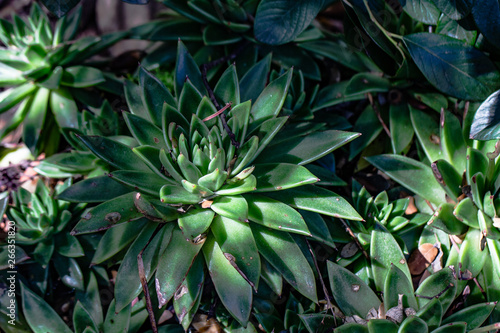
<point>60,7</point>
<point>448,177</point>
<point>459,327</point>
<point>453,67</point>
<point>431,313</point>
<point>304,150</point>
<point>412,174</point>
<point>96,189</point>
<point>445,220</point>
<point>274,214</point>
<point>255,79</point>
<point>117,238</point>
<point>234,292</point>
<point>231,206</point>
<point>442,285</point>
<point>195,222</point>
<point>284,254</point>
<point>113,152</point>
<point>397,282</point>
<point>64,108</point>
<point>34,121</point>
<point>421,10</point>
<point>238,246</point>
<point>351,294</point>
<point>486,123</point>
<point>174,264</point>
<point>227,88</point>
<point>185,68</point>
<point>275,177</point>
<point>145,132</point>
<point>400,127</point>
<point>154,95</point>
<point>81,77</point>
<point>270,101</point>
<point>317,199</point>
<point>108,214</point>
<point>281,21</point>
<point>385,252</point>
<point>456,9</point>
<point>413,325</point>
<point>40,316</point>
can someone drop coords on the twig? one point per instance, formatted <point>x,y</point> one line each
<point>358,244</point>
<point>147,296</point>
<point>204,69</point>
<point>227,106</point>
<point>439,294</point>
<point>325,290</point>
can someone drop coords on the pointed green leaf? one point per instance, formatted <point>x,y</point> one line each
<point>431,313</point>
<point>174,264</point>
<point>453,145</point>
<point>317,199</point>
<point>34,121</point>
<point>238,245</point>
<point>186,68</point>
<point>231,206</point>
<point>82,319</point>
<point>108,214</point>
<point>177,195</point>
<point>154,95</point>
<point>234,292</point>
<point>255,79</point>
<point>304,150</point>
<point>400,127</point>
<point>385,252</point>
<point>64,108</point>
<point>441,285</point>
<point>190,99</point>
<point>274,214</point>
<point>412,174</point>
<point>81,77</point>
<point>396,282</point>
<point>413,325</point>
<point>195,222</point>
<point>271,100</point>
<point>444,219</point>
<point>227,88</point>
<point>352,295</point>
<point>145,132</point>
<point>427,130</point>
<point>40,316</point>
<point>284,254</point>
<point>113,152</point>
<point>96,189</point>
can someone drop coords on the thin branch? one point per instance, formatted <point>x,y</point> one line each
<point>358,244</point>
<point>220,111</point>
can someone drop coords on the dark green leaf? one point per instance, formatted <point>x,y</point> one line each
<point>270,101</point>
<point>317,199</point>
<point>155,94</point>
<point>60,7</point>
<point>255,79</point>
<point>97,189</point>
<point>234,292</point>
<point>400,127</point>
<point>444,219</point>
<point>486,124</point>
<point>40,316</point>
<point>231,206</point>
<point>70,272</point>
<point>421,10</point>
<point>412,174</point>
<point>195,223</point>
<point>369,126</point>
<point>456,9</point>
<point>81,76</point>
<point>174,264</point>
<point>441,285</point>
<point>275,177</point>
<point>397,282</point>
<point>353,296</point>
<point>82,319</point>
<point>284,254</point>
<point>413,324</point>
<point>281,21</point>
<point>186,68</point>
<point>453,67</point>
<point>486,16</point>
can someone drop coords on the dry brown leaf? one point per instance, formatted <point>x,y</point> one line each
<point>421,258</point>
<point>411,209</point>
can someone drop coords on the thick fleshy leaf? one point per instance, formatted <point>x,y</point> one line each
<point>145,132</point>
<point>81,77</point>
<point>90,298</point>
<point>195,222</point>
<point>113,152</point>
<point>444,219</point>
<point>174,264</point>
<point>431,313</point>
<point>412,174</point>
<point>82,319</point>
<point>385,252</point>
<point>266,133</point>
<point>382,325</point>
<point>353,295</point>
<point>281,251</point>
<point>441,285</point>
<point>60,7</point>
<point>70,272</point>
<point>453,67</point>
<point>108,214</point>
<point>281,21</point>
<point>177,195</point>
<point>413,325</point>
<point>471,256</point>
<point>453,145</point>
<point>231,206</point>
<point>274,214</point>
<point>146,182</point>
<point>64,108</point>
<point>12,96</point>
<point>128,283</point>
<point>427,130</point>
<point>270,101</point>
<point>457,327</point>
<point>255,79</point>
<point>187,297</point>
<point>449,178</point>
<point>117,321</point>
<point>317,199</point>
<point>275,177</point>
<point>96,189</point>
<point>117,238</point>
<point>304,150</point>
<point>400,127</point>
<point>238,245</point>
<point>396,282</point>
<point>486,123</point>
<point>34,121</point>
<point>154,94</point>
<point>186,68</point>
<point>227,88</point>
<point>234,292</point>
<point>369,126</point>
<point>473,315</point>
<point>40,316</point>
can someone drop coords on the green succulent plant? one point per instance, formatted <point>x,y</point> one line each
<point>46,72</point>
<point>461,186</point>
<point>223,193</point>
<point>87,315</point>
<point>42,236</point>
<point>402,309</point>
